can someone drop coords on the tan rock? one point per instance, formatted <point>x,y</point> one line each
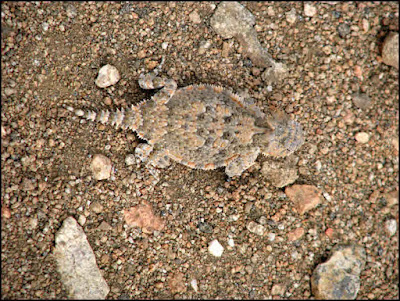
<point>305,197</point>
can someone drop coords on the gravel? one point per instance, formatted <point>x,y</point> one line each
<point>51,55</point>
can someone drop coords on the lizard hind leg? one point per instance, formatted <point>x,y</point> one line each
<point>151,80</point>
<point>151,156</point>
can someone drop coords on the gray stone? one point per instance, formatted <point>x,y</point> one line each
<point>343,30</point>
<point>76,263</point>
<point>361,100</point>
<point>231,19</point>
<point>339,277</point>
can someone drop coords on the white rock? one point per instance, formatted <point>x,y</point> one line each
<point>309,10</point>
<point>362,137</point>
<point>108,76</point>
<point>271,236</point>
<point>291,16</point>
<point>215,248</point>
<point>130,159</point>
<point>231,242</point>
<point>101,167</point>
<point>76,263</point>
<point>391,226</point>
<point>45,26</point>
<point>193,283</point>
<point>81,220</point>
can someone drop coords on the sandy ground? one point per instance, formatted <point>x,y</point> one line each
<point>51,53</point>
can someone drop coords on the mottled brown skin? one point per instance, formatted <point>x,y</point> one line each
<point>203,126</point>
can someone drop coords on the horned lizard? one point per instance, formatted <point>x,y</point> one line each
<point>202,126</point>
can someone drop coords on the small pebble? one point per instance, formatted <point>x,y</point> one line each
<point>309,10</point>
<point>130,159</point>
<point>205,227</point>
<point>215,248</point>
<point>271,236</point>
<point>194,285</point>
<point>362,137</point>
<point>5,212</point>
<point>291,16</point>
<point>195,17</point>
<point>71,11</point>
<point>343,30</point>
<point>45,26</point>
<point>9,91</point>
<point>277,290</point>
<point>101,167</point>
<point>255,228</point>
<point>296,234</point>
<point>81,220</point>
<point>108,76</point>
<point>96,207</point>
<point>391,226</point>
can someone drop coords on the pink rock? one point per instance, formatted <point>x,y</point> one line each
<point>296,234</point>
<point>142,216</point>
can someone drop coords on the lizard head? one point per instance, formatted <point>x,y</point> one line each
<point>282,137</point>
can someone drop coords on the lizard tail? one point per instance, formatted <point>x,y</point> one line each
<point>130,118</point>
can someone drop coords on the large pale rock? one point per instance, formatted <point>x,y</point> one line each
<point>76,263</point>
<point>339,277</point>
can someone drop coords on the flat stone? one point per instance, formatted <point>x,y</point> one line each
<point>195,17</point>
<point>176,283</point>
<point>296,234</point>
